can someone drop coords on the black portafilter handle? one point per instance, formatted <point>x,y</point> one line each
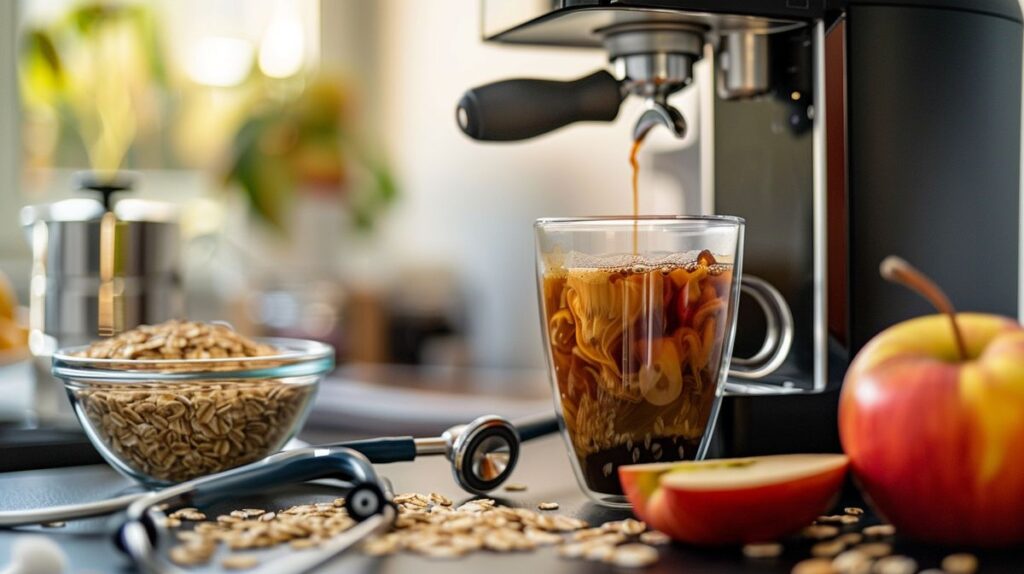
<point>513,110</point>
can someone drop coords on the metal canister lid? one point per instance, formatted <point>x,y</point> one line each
<point>67,234</point>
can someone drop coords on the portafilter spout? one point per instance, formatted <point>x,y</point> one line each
<point>655,60</point>
<point>659,113</point>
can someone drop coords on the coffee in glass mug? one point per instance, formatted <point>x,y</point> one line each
<point>638,336</point>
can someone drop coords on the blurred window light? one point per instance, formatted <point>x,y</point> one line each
<point>220,61</point>
<point>204,61</point>
<point>282,49</point>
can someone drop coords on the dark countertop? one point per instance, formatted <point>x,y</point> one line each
<point>544,467</point>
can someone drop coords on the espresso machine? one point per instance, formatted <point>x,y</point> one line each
<point>843,131</point>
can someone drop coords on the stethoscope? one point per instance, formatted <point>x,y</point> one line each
<point>367,501</point>
<point>482,453</point>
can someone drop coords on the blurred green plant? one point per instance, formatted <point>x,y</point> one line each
<point>301,145</point>
<point>97,69</point>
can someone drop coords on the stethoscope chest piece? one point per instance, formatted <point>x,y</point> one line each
<point>483,453</point>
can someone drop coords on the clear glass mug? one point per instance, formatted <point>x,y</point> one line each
<point>638,317</point>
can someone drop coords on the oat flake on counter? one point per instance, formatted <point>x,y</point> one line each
<point>430,525</point>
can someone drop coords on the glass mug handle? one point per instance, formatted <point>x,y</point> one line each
<point>778,332</point>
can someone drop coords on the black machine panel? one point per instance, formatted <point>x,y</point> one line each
<point>934,159</point>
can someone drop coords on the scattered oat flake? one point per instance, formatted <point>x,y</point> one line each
<point>542,537</point>
<point>442,552</point>
<point>895,565</point>
<point>191,554</point>
<point>239,562</point>
<point>851,538</point>
<point>574,550</point>
<point>828,549</point>
<point>852,561</point>
<point>875,549</point>
<point>439,499</point>
<point>655,538</point>
<point>588,533</point>
<point>548,506</point>
<point>599,552</point>
<point>56,524</point>
<point>188,513</point>
<point>515,487</point>
<point>634,556</point>
<point>762,550</point>
<point>820,531</point>
<point>962,563</point>
<point>814,566</point>
<point>631,527</point>
<point>381,546</point>
<point>854,510</point>
<point>879,530</point>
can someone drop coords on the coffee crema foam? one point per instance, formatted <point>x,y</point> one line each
<point>575,261</point>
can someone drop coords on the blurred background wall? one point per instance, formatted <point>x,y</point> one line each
<point>470,205</point>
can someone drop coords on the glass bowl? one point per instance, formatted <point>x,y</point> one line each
<point>164,421</point>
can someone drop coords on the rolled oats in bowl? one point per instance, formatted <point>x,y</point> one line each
<point>171,402</point>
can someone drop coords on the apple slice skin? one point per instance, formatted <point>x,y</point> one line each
<point>639,488</point>
<point>936,443</point>
<point>751,515</point>
<point>732,516</point>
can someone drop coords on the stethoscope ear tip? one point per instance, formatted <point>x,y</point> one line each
<point>119,535</point>
<point>365,500</point>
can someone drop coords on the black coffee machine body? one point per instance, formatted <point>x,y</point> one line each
<point>842,131</point>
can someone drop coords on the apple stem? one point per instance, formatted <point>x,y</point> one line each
<point>897,270</point>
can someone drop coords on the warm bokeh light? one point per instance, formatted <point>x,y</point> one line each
<point>282,49</point>
<point>220,61</point>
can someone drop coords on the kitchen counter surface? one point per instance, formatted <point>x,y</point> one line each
<point>544,467</point>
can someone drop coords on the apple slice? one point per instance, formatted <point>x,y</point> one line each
<point>733,501</point>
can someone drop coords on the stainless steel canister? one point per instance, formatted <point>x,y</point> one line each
<point>96,271</point>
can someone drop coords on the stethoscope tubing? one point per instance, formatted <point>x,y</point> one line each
<point>536,426</point>
<point>63,513</point>
<point>380,450</point>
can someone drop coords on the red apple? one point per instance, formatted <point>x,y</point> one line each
<point>731,501</point>
<point>936,439</point>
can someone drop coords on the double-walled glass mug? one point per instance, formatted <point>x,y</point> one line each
<point>638,317</point>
